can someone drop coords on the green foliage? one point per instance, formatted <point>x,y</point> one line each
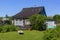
<point>10,18</point>
<point>0,29</point>
<point>37,22</point>
<point>58,31</point>
<point>57,18</point>
<point>8,28</point>
<point>52,34</point>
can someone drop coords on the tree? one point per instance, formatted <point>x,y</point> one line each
<point>9,17</point>
<point>6,16</point>
<point>50,17</point>
<point>38,22</point>
<point>57,18</point>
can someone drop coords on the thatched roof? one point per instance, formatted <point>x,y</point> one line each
<point>27,12</point>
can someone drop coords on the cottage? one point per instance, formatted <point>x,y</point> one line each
<point>21,19</point>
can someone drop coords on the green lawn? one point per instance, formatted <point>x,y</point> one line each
<point>28,35</point>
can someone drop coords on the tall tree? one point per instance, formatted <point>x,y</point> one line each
<point>57,18</point>
<point>37,22</point>
<point>6,16</point>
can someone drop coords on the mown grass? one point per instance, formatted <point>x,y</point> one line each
<point>28,35</point>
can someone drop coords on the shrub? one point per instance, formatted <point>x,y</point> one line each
<point>52,34</point>
<point>58,31</point>
<point>13,28</point>
<point>0,29</point>
<point>8,28</point>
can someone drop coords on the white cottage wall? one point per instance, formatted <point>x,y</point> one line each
<point>18,22</point>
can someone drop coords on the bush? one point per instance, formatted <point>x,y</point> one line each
<point>57,18</point>
<point>38,22</point>
<point>0,29</point>
<point>52,34</point>
<point>58,31</point>
<point>8,28</point>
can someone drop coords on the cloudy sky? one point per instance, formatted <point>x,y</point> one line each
<point>12,7</point>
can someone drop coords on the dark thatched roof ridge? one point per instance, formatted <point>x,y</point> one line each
<point>26,12</point>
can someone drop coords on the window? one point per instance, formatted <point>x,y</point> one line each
<point>27,22</point>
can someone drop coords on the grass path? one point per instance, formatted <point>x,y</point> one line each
<point>28,35</point>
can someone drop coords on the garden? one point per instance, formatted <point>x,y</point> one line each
<point>38,31</point>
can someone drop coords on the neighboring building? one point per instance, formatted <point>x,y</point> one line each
<point>51,23</point>
<point>21,19</point>
<point>5,21</point>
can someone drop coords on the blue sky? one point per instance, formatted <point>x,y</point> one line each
<point>12,7</point>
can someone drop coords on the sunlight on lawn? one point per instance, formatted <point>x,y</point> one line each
<point>28,35</point>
